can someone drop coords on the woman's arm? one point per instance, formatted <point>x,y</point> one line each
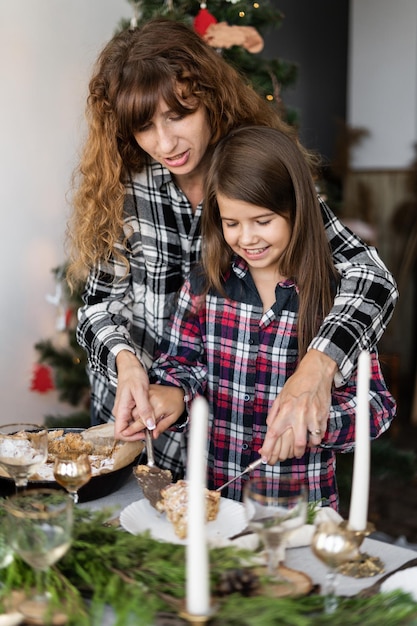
<point>364,301</point>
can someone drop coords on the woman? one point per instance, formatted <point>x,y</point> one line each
<point>242,323</point>
<point>160,99</point>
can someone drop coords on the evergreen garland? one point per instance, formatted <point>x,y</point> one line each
<point>106,566</point>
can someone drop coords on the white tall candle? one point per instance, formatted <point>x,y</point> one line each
<point>197,561</point>
<point>358,513</point>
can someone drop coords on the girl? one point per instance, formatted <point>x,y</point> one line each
<point>244,321</point>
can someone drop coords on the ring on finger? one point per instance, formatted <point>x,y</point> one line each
<point>315,432</point>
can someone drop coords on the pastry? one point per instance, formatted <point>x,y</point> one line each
<point>174,503</point>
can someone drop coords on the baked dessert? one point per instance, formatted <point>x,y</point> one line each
<point>174,502</point>
<point>106,454</point>
<point>66,444</point>
<point>152,480</point>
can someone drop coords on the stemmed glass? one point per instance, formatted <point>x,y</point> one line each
<point>40,531</point>
<point>275,507</point>
<point>72,473</point>
<point>334,545</point>
<point>6,551</point>
<point>23,448</point>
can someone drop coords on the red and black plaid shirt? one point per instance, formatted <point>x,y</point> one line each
<point>239,358</point>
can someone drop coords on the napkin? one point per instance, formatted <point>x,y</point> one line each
<point>298,538</point>
<point>404,580</point>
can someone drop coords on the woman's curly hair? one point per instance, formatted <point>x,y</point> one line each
<point>161,59</point>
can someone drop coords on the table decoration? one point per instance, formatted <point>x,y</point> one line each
<point>409,569</point>
<point>109,567</point>
<point>72,472</point>
<point>197,561</point>
<point>334,545</point>
<point>361,462</point>
<point>40,524</point>
<point>275,508</point>
<point>23,449</point>
<point>363,564</point>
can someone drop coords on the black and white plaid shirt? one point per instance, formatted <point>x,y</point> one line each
<point>163,237</point>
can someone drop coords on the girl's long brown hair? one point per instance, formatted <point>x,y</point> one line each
<point>265,167</point>
<point>163,58</point>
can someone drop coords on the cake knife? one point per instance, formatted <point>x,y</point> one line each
<point>248,469</point>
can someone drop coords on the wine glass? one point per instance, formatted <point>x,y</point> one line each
<point>334,545</point>
<point>40,532</point>
<point>72,472</point>
<point>6,551</point>
<point>23,448</point>
<point>275,507</point>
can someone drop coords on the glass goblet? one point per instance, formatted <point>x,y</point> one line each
<point>72,473</point>
<point>6,550</point>
<point>40,532</point>
<point>275,507</point>
<point>23,448</point>
<point>333,545</point>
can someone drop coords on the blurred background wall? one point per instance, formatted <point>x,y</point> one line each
<point>357,69</point>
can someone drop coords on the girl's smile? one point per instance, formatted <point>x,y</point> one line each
<point>255,233</point>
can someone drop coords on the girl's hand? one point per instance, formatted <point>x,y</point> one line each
<point>168,405</point>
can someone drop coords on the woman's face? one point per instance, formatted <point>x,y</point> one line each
<point>256,234</point>
<point>178,142</point>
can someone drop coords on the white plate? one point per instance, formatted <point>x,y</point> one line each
<point>141,516</point>
<point>11,619</point>
<point>404,580</point>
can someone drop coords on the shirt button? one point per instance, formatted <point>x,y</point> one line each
<point>245,446</point>
<point>247,397</point>
<point>251,342</point>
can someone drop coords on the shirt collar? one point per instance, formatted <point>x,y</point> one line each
<point>161,175</point>
<point>241,269</point>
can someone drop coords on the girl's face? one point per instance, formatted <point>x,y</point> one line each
<point>256,234</point>
<point>177,142</point>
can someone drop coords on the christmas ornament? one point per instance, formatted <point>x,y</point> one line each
<point>42,379</point>
<point>64,311</point>
<point>222,35</point>
<point>203,20</point>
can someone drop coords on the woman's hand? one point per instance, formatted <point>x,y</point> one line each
<point>298,416</point>
<point>132,409</point>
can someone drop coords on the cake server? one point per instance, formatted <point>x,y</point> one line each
<point>248,469</point>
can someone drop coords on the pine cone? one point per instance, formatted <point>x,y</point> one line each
<point>238,580</point>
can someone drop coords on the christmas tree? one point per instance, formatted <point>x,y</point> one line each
<point>62,362</point>
<point>235,28</point>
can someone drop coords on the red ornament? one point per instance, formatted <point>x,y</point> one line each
<point>203,20</point>
<point>42,379</point>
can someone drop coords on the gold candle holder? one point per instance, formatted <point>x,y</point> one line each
<point>364,565</point>
<point>358,535</point>
<point>194,620</point>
